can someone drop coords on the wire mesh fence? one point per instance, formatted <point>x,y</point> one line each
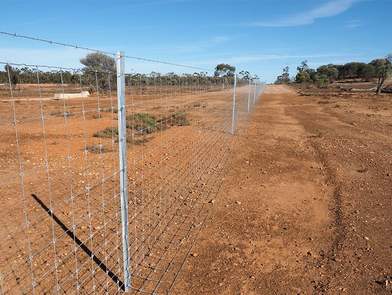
<point>60,169</point>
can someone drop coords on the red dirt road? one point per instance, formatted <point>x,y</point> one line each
<point>306,207</point>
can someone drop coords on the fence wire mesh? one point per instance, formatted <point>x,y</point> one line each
<point>59,174</point>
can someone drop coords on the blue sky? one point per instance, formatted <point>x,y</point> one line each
<point>261,36</point>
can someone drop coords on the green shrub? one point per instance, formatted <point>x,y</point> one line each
<point>321,80</point>
<point>142,123</point>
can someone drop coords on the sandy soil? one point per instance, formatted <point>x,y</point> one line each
<point>297,202</point>
<point>172,174</point>
<point>306,205</point>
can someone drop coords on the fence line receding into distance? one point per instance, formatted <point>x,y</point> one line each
<point>107,177</point>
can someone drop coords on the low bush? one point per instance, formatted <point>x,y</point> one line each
<point>108,132</point>
<point>143,123</point>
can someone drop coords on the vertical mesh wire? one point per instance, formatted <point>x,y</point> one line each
<point>59,174</point>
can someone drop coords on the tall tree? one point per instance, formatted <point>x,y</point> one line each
<point>97,69</point>
<point>366,72</point>
<point>285,77</point>
<point>304,74</point>
<point>329,71</point>
<point>383,68</point>
<point>245,75</point>
<point>224,70</point>
<point>99,62</point>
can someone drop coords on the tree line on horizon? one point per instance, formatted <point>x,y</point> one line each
<point>100,69</point>
<point>378,69</point>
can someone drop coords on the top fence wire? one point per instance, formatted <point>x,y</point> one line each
<point>106,177</point>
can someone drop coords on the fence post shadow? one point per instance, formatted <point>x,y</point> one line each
<point>81,245</point>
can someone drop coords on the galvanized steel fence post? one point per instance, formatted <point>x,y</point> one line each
<point>122,147</point>
<point>234,102</point>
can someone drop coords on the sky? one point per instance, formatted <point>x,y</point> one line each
<point>261,36</point>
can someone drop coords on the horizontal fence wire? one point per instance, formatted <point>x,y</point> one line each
<point>51,42</point>
<point>59,173</point>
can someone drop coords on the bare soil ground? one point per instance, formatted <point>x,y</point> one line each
<point>172,174</point>
<point>306,207</point>
<point>297,202</point>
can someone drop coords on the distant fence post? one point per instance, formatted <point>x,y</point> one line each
<point>254,93</point>
<point>234,102</point>
<point>250,89</point>
<point>122,149</point>
<point>261,89</point>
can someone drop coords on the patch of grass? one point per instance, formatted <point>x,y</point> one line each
<point>108,132</point>
<point>143,123</point>
<point>175,119</point>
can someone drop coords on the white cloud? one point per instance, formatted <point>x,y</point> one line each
<point>328,9</point>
